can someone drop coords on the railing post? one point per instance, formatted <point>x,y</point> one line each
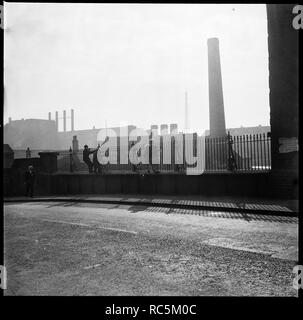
<point>229,151</point>
<point>70,159</point>
<point>268,149</point>
<point>231,160</point>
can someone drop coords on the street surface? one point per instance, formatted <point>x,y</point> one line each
<point>105,249</point>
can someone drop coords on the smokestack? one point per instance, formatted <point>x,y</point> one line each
<point>57,121</point>
<point>154,129</point>
<point>216,106</point>
<point>49,116</point>
<point>64,120</point>
<point>72,119</point>
<point>163,129</point>
<point>173,128</point>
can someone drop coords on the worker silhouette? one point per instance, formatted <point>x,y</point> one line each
<point>86,158</point>
<point>29,181</point>
<point>96,164</point>
<point>28,153</point>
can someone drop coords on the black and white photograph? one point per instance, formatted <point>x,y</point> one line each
<point>151,149</point>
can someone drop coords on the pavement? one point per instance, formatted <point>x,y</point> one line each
<point>88,248</point>
<point>223,204</point>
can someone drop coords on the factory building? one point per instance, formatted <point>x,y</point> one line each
<point>40,134</point>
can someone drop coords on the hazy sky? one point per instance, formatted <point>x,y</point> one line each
<point>134,62</point>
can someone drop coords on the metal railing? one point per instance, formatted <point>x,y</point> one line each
<point>223,154</point>
<point>254,152</point>
<point>238,153</point>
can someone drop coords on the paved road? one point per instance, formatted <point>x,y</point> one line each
<point>97,249</point>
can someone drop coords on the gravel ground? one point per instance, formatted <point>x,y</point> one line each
<point>86,249</point>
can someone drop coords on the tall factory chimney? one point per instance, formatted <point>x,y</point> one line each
<point>72,119</point>
<point>216,106</point>
<point>57,121</point>
<point>64,120</point>
<point>163,129</point>
<point>154,128</point>
<point>173,128</point>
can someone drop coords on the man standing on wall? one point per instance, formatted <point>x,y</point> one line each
<point>86,158</point>
<point>29,181</point>
<point>96,164</point>
<point>28,153</point>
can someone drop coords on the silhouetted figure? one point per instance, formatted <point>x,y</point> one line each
<point>28,153</point>
<point>96,164</point>
<point>29,181</point>
<point>86,158</point>
<point>232,165</point>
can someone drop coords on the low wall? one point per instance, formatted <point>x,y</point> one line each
<point>14,184</point>
<point>250,185</point>
<point>216,184</point>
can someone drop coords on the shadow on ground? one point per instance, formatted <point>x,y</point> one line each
<point>168,210</point>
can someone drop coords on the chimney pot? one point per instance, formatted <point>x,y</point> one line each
<point>64,120</point>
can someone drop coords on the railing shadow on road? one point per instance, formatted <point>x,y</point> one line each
<point>64,204</point>
<point>207,213</point>
<point>248,217</point>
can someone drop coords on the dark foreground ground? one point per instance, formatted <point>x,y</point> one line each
<point>106,249</point>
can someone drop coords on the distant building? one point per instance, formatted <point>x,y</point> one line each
<point>32,133</point>
<point>40,134</point>
<point>84,137</point>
